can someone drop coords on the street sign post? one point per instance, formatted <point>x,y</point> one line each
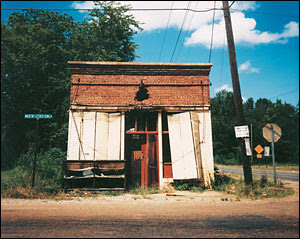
<point>272,133</point>
<point>37,117</point>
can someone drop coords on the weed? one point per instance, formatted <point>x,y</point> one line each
<point>259,189</point>
<point>143,191</point>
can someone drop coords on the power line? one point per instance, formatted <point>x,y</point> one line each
<point>132,9</point>
<point>151,9</point>
<point>283,94</point>
<point>165,32</point>
<point>222,60</point>
<point>264,13</point>
<point>212,33</point>
<point>187,30</point>
<point>180,31</point>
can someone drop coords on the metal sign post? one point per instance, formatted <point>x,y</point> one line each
<point>35,150</point>
<point>273,154</point>
<point>272,133</point>
<point>37,117</point>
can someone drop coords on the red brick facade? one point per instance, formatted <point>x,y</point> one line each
<point>116,84</point>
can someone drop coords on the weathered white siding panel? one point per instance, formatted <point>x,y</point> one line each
<point>88,135</point>
<point>114,136</point>
<point>101,139</point>
<point>206,146</point>
<point>73,141</point>
<point>108,136</point>
<point>182,147</point>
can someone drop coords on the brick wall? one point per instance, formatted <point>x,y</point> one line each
<point>116,84</point>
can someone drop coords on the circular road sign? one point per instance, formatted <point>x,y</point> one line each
<point>267,132</point>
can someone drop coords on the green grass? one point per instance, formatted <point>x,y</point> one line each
<point>280,167</point>
<point>143,191</point>
<point>261,188</point>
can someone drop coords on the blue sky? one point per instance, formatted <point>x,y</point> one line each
<point>266,37</point>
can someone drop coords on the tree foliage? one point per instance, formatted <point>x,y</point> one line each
<point>258,114</point>
<point>35,48</point>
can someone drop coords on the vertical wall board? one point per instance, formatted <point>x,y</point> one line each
<point>188,145</point>
<point>181,146</point>
<point>114,136</point>
<point>122,140</point>
<point>196,138</point>
<point>73,141</point>
<point>160,150</point>
<point>176,147</point>
<point>88,135</point>
<point>206,146</point>
<point>101,138</point>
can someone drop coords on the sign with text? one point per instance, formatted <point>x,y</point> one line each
<point>38,116</point>
<point>241,131</point>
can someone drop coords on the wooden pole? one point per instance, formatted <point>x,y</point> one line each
<point>236,90</point>
<point>35,150</point>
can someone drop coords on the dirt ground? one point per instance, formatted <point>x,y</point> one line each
<point>178,214</point>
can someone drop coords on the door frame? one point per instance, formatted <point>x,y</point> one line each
<point>144,165</point>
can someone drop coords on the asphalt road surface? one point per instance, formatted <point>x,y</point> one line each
<point>290,176</point>
<point>201,215</point>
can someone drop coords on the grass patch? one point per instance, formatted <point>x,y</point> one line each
<point>280,167</point>
<point>143,191</point>
<point>188,186</point>
<point>261,188</point>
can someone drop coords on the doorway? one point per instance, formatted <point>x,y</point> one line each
<point>141,148</point>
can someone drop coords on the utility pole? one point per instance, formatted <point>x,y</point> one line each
<point>236,90</point>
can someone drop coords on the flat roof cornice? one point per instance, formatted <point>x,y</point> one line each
<point>107,63</point>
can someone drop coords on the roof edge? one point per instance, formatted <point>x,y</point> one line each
<point>137,63</point>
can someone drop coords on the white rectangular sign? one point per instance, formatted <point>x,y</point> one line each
<point>241,131</point>
<point>267,151</point>
<point>248,148</point>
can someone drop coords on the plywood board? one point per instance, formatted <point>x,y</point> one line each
<point>181,146</point>
<point>74,132</point>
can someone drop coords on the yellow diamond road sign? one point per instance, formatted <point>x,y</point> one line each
<point>267,132</point>
<point>259,149</point>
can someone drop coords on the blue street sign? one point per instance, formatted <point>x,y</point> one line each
<point>38,116</point>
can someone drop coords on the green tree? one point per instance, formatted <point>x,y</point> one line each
<point>34,79</point>
<point>258,114</point>
<point>223,115</point>
<point>35,48</point>
<point>108,34</point>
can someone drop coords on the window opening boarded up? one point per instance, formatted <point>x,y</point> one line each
<point>88,135</point>
<point>108,136</point>
<point>74,136</point>
<point>94,136</point>
<point>182,146</point>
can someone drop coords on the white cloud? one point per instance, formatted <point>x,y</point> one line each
<point>223,87</point>
<point>244,29</point>
<point>246,67</point>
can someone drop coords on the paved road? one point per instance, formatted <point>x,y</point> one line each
<point>290,176</point>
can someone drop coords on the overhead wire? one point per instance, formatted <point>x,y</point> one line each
<point>284,94</point>
<point>132,9</point>
<point>212,33</point>
<point>180,32</point>
<point>166,31</point>
<point>222,59</point>
<point>187,31</point>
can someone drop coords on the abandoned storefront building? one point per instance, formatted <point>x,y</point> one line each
<point>138,124</point>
